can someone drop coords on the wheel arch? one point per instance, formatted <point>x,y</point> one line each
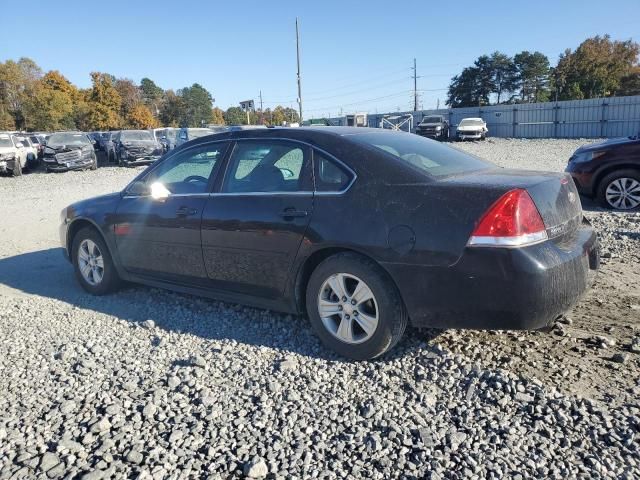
<point>599,176</point>
<point>312,261</point>
<point>77,225</point>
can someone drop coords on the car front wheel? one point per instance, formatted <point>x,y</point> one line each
<point>354,307</point>
<point>92,263</point>
<point>620,190</point>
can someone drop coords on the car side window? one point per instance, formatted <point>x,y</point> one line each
<point>268,166</point>
<point>189,171</point>
<point>330,176</point>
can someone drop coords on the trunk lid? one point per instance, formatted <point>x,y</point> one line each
<point>554,194</point>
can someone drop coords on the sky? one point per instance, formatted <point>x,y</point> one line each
<point>356,56</point>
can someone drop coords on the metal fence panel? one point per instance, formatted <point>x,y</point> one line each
<point>592,118</point>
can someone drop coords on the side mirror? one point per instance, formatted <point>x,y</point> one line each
<point>138,188</point>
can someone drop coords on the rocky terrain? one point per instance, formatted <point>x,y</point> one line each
<point>150,384</point>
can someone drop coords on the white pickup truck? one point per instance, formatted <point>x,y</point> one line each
<point>472,129</point>
<point>13,154</point>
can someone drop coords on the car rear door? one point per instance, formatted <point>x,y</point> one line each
<point>159,235</point>
<point>252,227</point>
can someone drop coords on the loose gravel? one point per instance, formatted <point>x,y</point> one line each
<point>151,384</point>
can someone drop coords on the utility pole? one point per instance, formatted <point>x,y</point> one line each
<point>415,87</point>
<point>299,81</point>
<point>261,113</point>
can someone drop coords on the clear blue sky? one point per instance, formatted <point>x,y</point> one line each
<point>355,55</point>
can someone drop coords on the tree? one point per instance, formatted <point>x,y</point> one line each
<point>16,83</point>
<point>462,89</point>
<point>130,95</point>
<point>532,76</point>
<point>503,72</point>
<point>198,105</point>
<point>217,116</point>
<point>596,68</point>
<point>152,95</point>
<point>51,103</point>
<point>172,109</point>
<point>140,117</point>
<point>235,116</point>
<point>104,103</point>
<point>630,83</point>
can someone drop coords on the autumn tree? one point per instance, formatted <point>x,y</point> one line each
<point>217,116</point>
<point>17,80</point>
<point>140,117</point>
<point>595,69</point>
<point>130,96</point>
<point>51,103</point>
<point>104,103</point>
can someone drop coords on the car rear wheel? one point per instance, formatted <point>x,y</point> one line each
<point>92,263</point>
<point>354,307</point>
<point>620,190</point>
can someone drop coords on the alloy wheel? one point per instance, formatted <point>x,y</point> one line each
<point>623,193</point>
<point>348,308</point>
<point>90,262</point>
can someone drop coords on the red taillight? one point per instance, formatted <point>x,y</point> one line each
<point>512,221</point>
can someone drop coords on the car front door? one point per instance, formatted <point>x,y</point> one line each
<point>252,227</point>
<point>157,226</point>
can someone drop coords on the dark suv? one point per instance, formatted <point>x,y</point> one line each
<point>433,126</point>
<point>136,147</point>
<point>609,171</point>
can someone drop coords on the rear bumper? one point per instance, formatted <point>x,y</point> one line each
<point>501,288</point>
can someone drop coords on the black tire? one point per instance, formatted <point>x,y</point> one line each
<point>607,180</point>
<point>392,316</point>
<point>110,279</point>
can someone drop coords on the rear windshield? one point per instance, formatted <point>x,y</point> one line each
<point>136,135</point>
<point>58,139</point>
<point>428,156</point>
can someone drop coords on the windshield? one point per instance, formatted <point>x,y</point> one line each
<point>432,120</point>
<point>35,139</point>
<point>171,134</point>
<point>136,135</point>
<point>5,141</point>
<point>59,139</point>
<point>471,122</point>
<point>432,158</point>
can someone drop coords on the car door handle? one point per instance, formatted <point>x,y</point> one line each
<point>292,213</point>
<point>186,212</point>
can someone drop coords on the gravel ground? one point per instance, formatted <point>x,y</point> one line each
<point>151,384</point>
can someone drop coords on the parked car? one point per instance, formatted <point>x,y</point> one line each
<point>13,154</point>
<point>136,147</point>
<point>433,126</point>
<point>472,129</point>
<point>31,151</point>
<point>609,171</point>
<point>69,151</point>
<point>187,134</point>
<point>363,230</point>
<point>95,139</point>
<point>166,137</point>
<point>38,143</point>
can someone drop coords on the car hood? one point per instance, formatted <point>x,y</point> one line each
<point>7,150</point>
<point>66,148</point>
<point>102,205</point>
<point>436,124</point>
<point>470,128</point>
<point>611,142</point>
